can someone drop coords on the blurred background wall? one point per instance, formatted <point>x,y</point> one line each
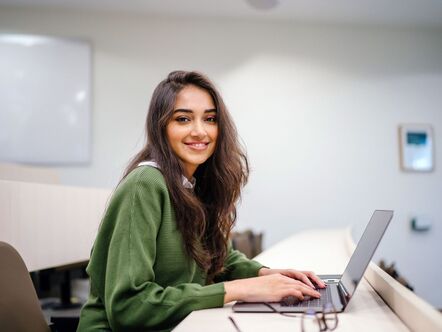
<point>317,106</point>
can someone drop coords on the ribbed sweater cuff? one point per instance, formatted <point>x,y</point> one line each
<point>213,296</point>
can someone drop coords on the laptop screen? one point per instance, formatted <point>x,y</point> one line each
<point>365,249</point>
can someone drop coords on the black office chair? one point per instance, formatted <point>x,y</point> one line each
<point>20,309</point>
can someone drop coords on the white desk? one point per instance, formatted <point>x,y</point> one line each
<point>366,311</point>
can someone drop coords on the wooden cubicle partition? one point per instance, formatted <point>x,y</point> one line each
<point>26,173</point>
<point>50,225</point>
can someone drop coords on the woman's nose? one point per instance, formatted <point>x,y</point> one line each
<point>198,129</point>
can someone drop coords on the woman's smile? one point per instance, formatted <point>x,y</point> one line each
<point>197,146</point>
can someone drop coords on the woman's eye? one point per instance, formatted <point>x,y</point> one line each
<point>211,119</point>
<point>182,119</point>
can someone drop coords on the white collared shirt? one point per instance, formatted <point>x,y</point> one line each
<point>189,184</point>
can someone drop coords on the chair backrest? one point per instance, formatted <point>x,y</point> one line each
<point>248,242</point>
<point>20,309</point>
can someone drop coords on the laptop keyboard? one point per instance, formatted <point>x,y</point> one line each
<point>310,302</point>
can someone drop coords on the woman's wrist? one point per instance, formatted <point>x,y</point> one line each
<point>263,271</point>
<point>233,291</point>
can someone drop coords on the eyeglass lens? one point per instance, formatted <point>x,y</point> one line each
<point>312,321</point>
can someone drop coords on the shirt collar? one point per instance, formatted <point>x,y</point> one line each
<point>189,184</point>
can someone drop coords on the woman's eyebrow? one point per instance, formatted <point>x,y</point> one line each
<point>185,110</point>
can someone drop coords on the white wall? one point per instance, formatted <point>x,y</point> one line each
<point>318,108</point>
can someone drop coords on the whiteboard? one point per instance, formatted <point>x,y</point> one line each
<point>45,97</point>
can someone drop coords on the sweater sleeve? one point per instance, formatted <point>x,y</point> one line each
<point>238,266</point>
<point>127,243</point>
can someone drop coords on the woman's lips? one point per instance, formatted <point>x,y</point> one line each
<point>197,145</point>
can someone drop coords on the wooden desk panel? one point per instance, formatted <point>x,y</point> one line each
<point>50,225</point>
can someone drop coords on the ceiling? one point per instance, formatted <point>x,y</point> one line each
<point>372,12</point>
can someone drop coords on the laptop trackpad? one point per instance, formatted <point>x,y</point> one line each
<point>252,307</point>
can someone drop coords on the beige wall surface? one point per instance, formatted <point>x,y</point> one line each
<point>317,106</point>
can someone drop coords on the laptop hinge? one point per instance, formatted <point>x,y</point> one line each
<point>343,294</point>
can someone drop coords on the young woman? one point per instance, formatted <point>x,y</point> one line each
<point>163,248</point>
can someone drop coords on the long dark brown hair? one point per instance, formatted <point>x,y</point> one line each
<point>206,215</point>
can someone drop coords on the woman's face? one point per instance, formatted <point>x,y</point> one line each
<point>193,129</point>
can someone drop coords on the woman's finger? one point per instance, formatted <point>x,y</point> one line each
<point>298,275</point>
<point>298,294</point>
<point>307,290</point>
<point>305,279</point>
<point>315,278</point>
<point>301,291</point>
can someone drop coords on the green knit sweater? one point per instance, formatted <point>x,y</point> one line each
<point>141,278</point>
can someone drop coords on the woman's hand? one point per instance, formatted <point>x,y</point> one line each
<point>305,276</point>
<point>272,287</point>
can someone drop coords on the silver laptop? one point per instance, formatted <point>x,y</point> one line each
<point>340,288</point>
